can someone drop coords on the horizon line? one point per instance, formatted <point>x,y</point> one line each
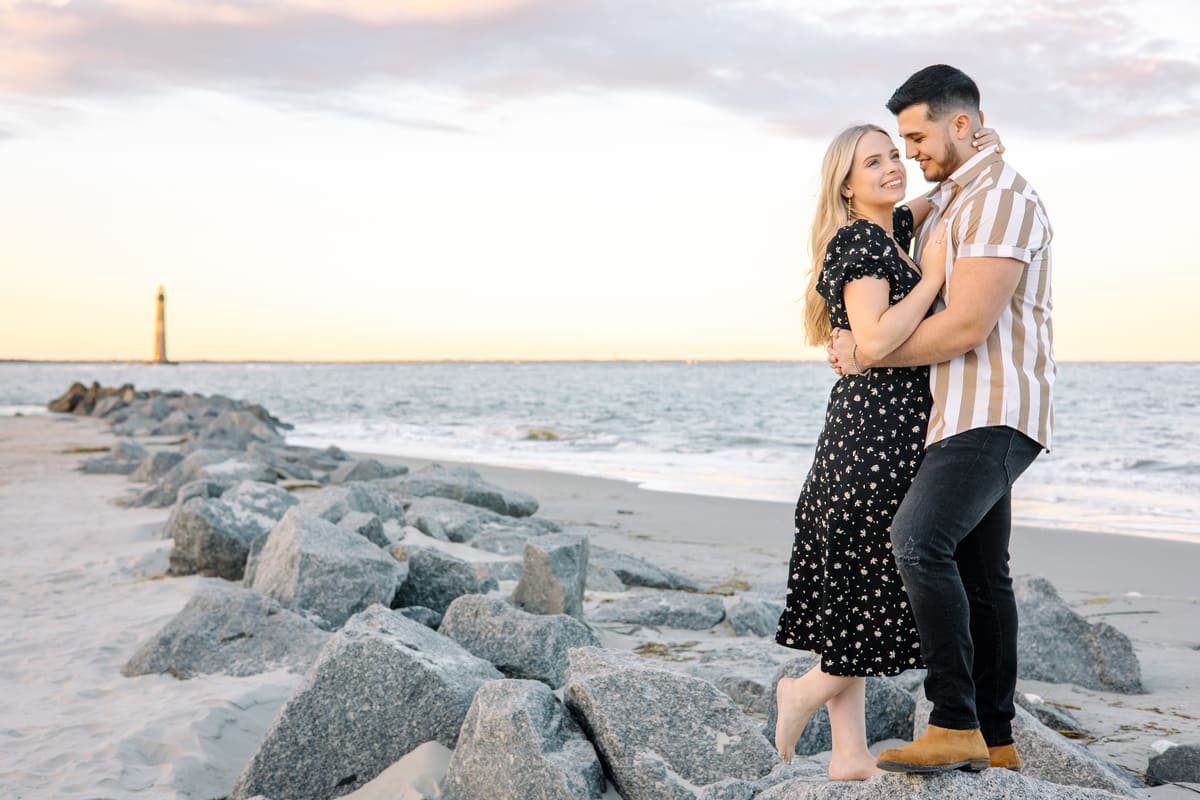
<point>151,363</point>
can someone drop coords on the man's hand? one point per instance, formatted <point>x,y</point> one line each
<point>839,352</point>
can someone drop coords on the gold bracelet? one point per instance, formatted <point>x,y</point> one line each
<point>854,360</point>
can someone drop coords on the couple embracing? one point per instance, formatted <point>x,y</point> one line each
<point>901,557</point>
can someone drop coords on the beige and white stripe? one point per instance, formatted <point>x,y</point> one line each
<point>1009,379</point>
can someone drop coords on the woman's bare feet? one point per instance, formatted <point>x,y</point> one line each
<point>794,710</point>
<point>860,768</point>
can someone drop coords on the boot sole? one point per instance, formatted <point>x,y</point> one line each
<point>970,765</point>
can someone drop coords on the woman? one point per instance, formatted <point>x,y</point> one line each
<point>845,599</point>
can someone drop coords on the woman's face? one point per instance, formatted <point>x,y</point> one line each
<point>877,173</point>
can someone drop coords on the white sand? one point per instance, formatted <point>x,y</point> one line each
<point>74,601</point>
<point>77,594</point>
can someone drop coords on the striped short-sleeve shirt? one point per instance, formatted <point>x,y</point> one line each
<point>1009,379</point>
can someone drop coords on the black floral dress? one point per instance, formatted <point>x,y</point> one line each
<point>845,599</point>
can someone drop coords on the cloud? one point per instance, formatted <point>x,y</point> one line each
<point>1083,69</point>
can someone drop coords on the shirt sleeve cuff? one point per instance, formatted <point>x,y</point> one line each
<point>993,251</point>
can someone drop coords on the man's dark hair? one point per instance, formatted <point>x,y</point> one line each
<point>943,88</point>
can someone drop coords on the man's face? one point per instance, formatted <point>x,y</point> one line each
<point>929,142</point>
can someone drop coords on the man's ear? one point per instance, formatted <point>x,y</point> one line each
<point>961,125</point>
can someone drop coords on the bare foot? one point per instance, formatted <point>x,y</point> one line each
<point>854,769</point>
<point>794,711</point>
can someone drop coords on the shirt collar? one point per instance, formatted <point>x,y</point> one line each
<point>976,164</point>
<point>963,176</point>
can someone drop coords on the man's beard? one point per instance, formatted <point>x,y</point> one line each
<point>945,168</point>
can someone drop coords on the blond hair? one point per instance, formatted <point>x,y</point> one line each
<point>833,213</point>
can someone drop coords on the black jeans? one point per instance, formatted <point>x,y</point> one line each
<point>950,539</point>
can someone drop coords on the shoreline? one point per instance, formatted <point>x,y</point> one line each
<point>723,429</point>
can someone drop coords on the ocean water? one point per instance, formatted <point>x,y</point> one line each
<point>1126,455</point>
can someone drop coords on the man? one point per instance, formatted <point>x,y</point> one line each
<point>992,372</point>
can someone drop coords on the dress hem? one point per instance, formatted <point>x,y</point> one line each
<point>833,668</point>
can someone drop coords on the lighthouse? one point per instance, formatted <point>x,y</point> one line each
<point>160,328</point>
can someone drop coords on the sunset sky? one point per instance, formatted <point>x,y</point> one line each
<point>529,179</point>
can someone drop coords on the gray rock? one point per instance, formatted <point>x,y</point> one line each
<point>366,525</point>
<point>1177,764</point>
<point>106,405</point>
<point>1049,756</point>
<point>335,502</point>
<point>745,672</point>
<point>519,743</point>
<point>463,484</point>
<point>252,556</point>
<point>236,429</point>
<point>381,686</point>
<point>443,518</point>
<point>521,645</point>
<point>553,575</point>
<point>1057,645</point>
<point>889,710</point>
<point>506,542</point>
<point>128,422</point>
<point>325,460</point>
<point>436,578</point>
<point>213,537</point>
<point>426,616</point>
<point>129,450</point>
<point>289,463</point>
<point>174,424</point>
<point>230,631</point>
<point>266,499</point>
<point>603,579</point>
<point>219,465</point>
<point>155,465</point>
<point>694,612</point>
<point>635,571</point>
<point>1057,719</point>
<point>312,565</point>
<point>752,616</point>
<point>500,570</point>
<point>200,488</point>
<point>910,680</point>
<point>739,789</point>
<point>158,409</point>
<point>108,465</point>
<point>660,733</point>
<point>123,458</point>
<point>992,784</point>
<point>368,469</point>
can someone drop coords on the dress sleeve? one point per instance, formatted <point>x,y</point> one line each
<point>902,226</point>
<point>856,251</point>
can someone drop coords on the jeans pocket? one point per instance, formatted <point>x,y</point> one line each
<point>1021,452</point>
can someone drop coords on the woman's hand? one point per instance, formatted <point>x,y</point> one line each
<point>986,137</point>
<point>933,255</point>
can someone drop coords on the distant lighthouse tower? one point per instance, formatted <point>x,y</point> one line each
<point>160,329</point>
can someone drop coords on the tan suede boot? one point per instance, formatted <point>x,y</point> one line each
<point>1004,757</point>
<point>938,750</point>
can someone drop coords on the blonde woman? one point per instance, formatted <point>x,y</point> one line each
<point>845,599</point>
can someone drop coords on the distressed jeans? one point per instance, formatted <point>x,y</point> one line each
<point>950,539</point>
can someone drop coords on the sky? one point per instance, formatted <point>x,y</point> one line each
<point>548,179</point>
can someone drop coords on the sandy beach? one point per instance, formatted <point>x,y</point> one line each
<point>82,581</point>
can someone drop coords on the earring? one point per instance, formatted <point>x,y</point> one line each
<point>850,207</point>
